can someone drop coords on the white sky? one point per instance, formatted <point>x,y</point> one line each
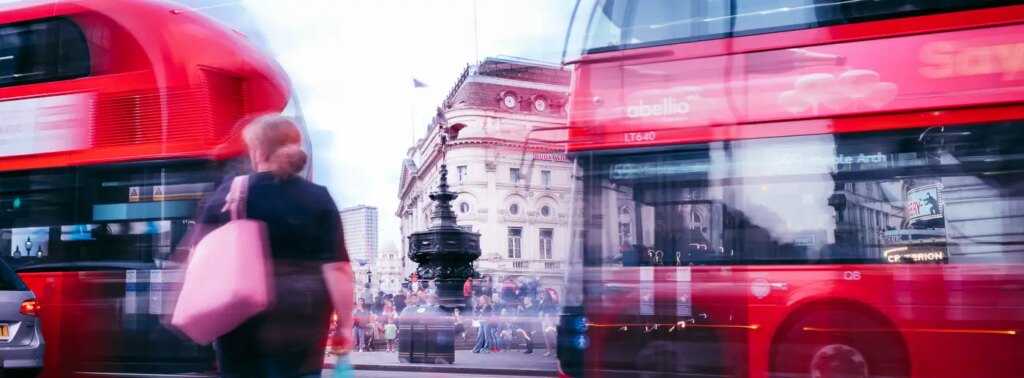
<point>352,64</point>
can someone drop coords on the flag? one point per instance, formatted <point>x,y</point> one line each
<point>418,84</point>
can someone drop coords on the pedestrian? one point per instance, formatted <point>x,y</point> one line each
<point>428,298</point>
<point>548,312</point>
<point>373,330</point>
<point>378,303</point>
<point>528,323</point>
<point>389,312</point>
<point>504,331</point>
<point>390,334</point>
<point>400,301</point>
<point>359,321</point>
<point>494,326</point>
<point>304,234</point>
<point>412,300</point>
<point>367,296</point>
<point>484,312</point>
<point>467,292</point>
<point>487,287</point>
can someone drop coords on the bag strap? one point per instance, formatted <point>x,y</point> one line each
<point>236,199</point>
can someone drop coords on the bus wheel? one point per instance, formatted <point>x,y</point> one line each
<point>840,344</point>
<point>838,360</point>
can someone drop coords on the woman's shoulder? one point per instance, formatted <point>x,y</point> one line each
<point>307,190</point>
<point>318,193</point>
<point>266,178</point>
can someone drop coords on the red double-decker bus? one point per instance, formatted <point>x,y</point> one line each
<point>116,117</point>
<point>804,188</point>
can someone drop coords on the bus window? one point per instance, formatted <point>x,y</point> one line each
<point>41,51</point>
<point>94,218</point>
<point>659,22</point>
<point>935,195</point>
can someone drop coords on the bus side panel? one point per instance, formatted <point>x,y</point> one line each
<point>60,294</point>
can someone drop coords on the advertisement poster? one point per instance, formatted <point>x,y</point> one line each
<point>45,124</point>
<point>924,202</point>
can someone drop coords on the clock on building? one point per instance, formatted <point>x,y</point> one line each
<point>509,100</point>
<point>540,104</point>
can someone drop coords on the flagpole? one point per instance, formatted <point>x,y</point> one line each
<point>416,85</point>
<point>476,36</point>
<point>412,118</point>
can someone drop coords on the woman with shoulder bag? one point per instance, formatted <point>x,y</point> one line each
<point>304,235</point>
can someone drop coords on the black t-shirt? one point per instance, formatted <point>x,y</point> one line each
<point>302,220</point>
<point>304,232</point>
<point>548,308</point>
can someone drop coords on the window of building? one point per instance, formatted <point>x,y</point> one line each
<point>545,178</point>
<point>515,242</point>
<point>545,211</point>
<point>463,172</point>
<point>464,208</point>
<point>514,175</point>
<point>513,209</point>
<point>546,238</point>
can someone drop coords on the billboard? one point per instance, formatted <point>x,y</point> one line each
<point>924,202</point>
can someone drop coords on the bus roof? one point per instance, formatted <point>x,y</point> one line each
<point>157,95</point>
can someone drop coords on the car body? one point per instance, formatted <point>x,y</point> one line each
<point>21,343</point>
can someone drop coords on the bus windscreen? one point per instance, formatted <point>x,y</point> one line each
<point>622,24</point>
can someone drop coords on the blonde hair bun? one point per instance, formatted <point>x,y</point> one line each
<point>288,160</point>
<point>276,140</point>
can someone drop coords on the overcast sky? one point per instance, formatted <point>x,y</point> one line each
<point>352,65</point>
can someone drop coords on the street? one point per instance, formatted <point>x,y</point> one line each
<point>389,374</point>
<point>505,364</point>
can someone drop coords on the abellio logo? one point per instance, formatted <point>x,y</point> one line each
<point>668,106</point>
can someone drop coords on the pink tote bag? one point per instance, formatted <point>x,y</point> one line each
<point>228,278</point>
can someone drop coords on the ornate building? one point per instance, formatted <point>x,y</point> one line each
<point>388,273</point>
<point>507,165</point>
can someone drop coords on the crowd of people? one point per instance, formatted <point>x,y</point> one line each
<point>503,319</point>
<point>504,323</point>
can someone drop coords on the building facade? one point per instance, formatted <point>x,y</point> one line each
<point>507,165</point>
<point>388,274</point>
<point>360,225</point>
